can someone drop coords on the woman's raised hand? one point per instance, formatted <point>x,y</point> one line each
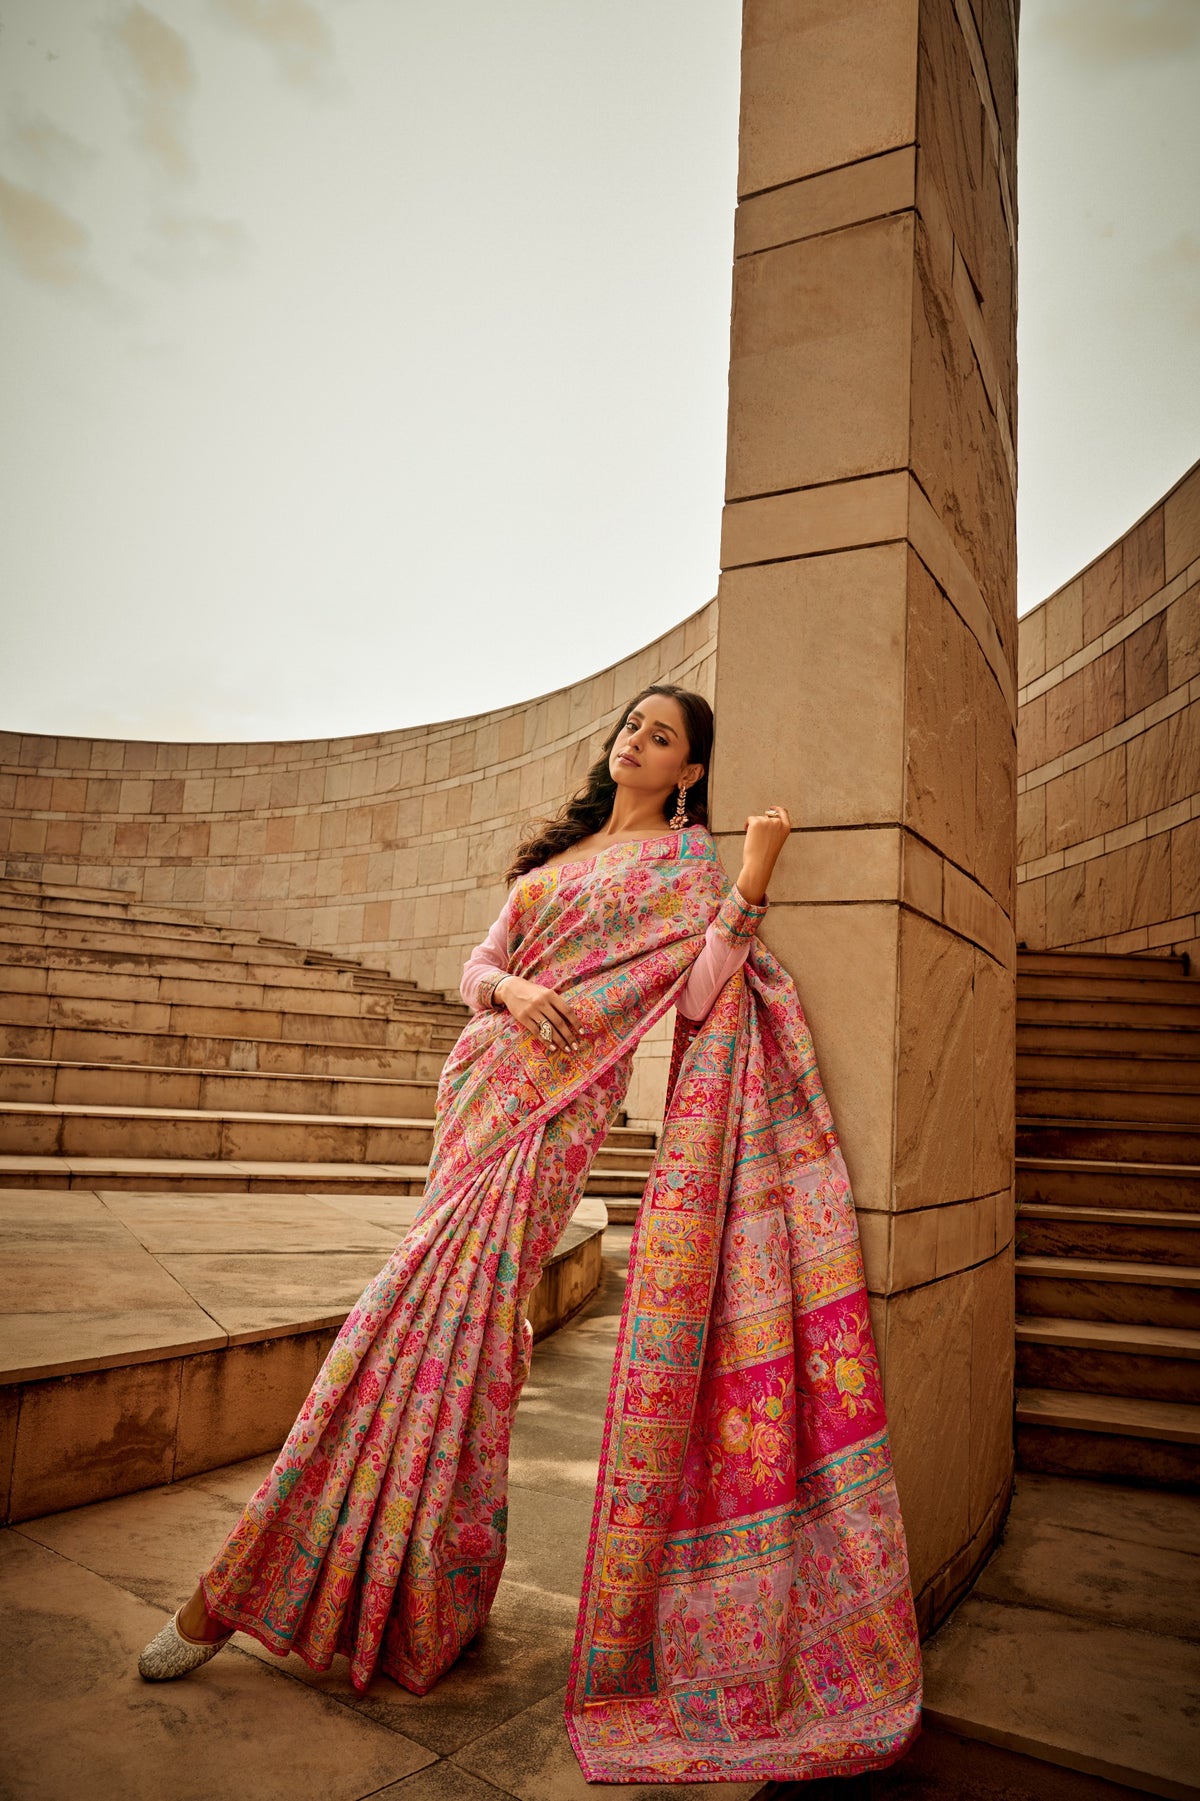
<point>530,1004</point>
<point>766,835</point>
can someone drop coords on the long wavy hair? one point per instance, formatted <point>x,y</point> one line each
<point>589,807</point>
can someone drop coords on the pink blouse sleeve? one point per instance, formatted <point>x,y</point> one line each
<point>726,947</point>
<point>485,959</point>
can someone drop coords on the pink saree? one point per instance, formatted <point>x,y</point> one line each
<point>746,1609</point>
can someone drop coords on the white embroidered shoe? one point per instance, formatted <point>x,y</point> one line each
<point>170,1654</point>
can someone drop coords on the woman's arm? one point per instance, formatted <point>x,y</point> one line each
<point>726,947</point>
<point>485,959</point>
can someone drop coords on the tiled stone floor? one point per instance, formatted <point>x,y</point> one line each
<point>1078,1642</point>
<point>83,1591</point>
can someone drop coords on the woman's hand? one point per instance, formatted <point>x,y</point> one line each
<point>530,1004</point>
<point>766,835</point>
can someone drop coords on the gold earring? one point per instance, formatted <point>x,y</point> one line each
<point>679,818</point>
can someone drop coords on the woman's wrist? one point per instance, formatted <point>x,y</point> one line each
<point>752,883</point>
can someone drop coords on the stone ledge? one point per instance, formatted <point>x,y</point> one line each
<point>194,1329</point>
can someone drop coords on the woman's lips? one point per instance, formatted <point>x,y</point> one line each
<point>626,758</point>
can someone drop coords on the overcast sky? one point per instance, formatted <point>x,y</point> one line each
<point>363,362</point>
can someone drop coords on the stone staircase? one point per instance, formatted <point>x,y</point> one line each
<point>1108,1217</point>
<point>209,1142</point>
<point>144,1049</point>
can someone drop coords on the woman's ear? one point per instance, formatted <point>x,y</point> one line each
<point>691,774</point>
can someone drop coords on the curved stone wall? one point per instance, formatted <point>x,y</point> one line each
<point>1108,743</point>
<point>392,846</point>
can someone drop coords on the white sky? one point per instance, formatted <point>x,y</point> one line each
<point>363,362</point>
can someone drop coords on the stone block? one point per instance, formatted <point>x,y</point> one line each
<point>993,1072</point>
<point>835,627</point>
<point>1183,638</point>
<point>843,961</point>
<point>956,452</point>
<point>1181,525</point>
<point>1064,623</point>
<point>935,1125</point>
<point>927,1393</point>
<point>819,359</point>
<point>823,86</point>
<point>1143,560</point>
<point>80,1438</point>
<point>1145,664</point>
<point>244,1400</point>
<point>1031,646</point>
<point>940,752</point>
<point>1103,692</point>
<point>1031,824</point>
<point>1065,717</point>
<point>1103,592</point>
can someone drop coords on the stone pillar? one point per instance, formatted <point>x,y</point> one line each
<point>866,671</point>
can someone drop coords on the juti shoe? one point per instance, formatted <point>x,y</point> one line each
<point>170,1653</point>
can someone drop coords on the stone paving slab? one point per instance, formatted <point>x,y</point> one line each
<point>1080,1640</point>
<point>492,1727</point>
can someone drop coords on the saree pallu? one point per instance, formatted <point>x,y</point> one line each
<point>746,1610</point>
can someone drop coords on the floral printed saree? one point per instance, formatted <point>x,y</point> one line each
<point>746,1609</point>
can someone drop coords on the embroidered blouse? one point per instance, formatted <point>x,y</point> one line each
<point>726,947</point>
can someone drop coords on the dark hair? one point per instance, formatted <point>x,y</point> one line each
<point>588,808</point>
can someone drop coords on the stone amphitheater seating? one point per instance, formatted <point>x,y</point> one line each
<point>1108,1216</point>
<point>209,1142</point>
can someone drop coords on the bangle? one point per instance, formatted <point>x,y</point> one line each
<point>487,990</point>
<point>495,985</point>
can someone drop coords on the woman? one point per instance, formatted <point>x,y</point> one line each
<point>746,1610</point>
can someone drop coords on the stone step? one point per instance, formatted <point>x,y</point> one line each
<point>57,1130</point>
<point>204,1334</point>
<point>1115,1357</point>
<point>1103,963</point>
<point>1104,1182</point>
<point>150,923</point>
<point>206,1175</point>
<point>1168,1041</point>
<point>1064,1432</point>
<point>1072,1069</point>
<point>144,961</point>
<point>91,985</point>
<point>315,1055</point>
<point>126,939</point>
<point>1135,1234</point>
<point>1113,1139</point>
<point>195,939</point>
<point>1090,1100</point>
<point>150,1085</point>
<point>1157,1294</point>
<point>1067,1009</point>
<point>1105,986</point>
<point>158,1017</point>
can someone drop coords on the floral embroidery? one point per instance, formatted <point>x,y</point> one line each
<point>746,1610</point>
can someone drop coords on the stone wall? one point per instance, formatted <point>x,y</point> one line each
<point>866,672</point>
<point>390,846</point>
<point>1108,853</point>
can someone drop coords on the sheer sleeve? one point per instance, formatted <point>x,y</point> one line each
<point>726,947</point>
<point>485,959</point>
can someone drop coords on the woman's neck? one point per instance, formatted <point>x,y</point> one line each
<point>632,816</point>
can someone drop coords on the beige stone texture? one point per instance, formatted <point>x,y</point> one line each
<point>823,86</point>
<point>844,962</point>
<point>799,609</point>
<point>933,1066</point>
<point>1109,744</point>
<point>1181,525</point>
<point>819,359</point>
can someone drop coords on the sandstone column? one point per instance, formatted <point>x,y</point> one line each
<point>866,671</point>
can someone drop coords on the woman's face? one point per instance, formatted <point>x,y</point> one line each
<point>651,753</point>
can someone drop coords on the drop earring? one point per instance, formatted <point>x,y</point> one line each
<point>679,818</point>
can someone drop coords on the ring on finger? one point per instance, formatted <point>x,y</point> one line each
<point>546,1031</point>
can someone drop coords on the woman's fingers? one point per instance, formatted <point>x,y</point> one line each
<point>563,1021</point>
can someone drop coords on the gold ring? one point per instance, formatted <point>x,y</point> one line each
<point>546,1031</point>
